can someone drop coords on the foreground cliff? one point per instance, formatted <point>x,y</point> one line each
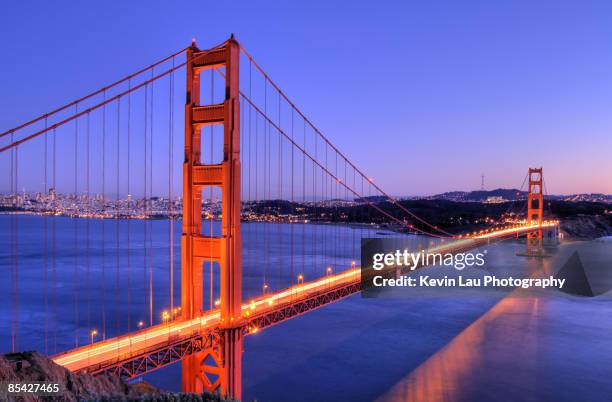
<point>32,366</point>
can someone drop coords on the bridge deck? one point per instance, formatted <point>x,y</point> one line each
<point>148,349</point>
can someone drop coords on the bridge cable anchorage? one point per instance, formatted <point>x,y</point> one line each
<point>90,95</point>
<point>389,197</point>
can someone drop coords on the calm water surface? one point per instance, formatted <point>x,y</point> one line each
<point>476,348</point>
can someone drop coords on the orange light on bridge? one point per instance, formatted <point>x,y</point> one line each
<point>353,264</point>
<point>329,270</point>
<point>165,316</point>
<point>93,334</point>
<point>140,324</point>
<point>300,279</point>
<point>217,302</point>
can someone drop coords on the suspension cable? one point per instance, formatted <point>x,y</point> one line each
<point>92,94</point>
<point>326,170</point>
<point>107,101</point>
<point>390,198</point>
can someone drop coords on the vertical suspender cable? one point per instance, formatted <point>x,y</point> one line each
<point>53,247</point>
<point>46,264</point>
<point>293,210</point>
<point>15,203</point>
<point>145,203</point>
<point>75,277</point>
<point>315,190</point>
<point>249,153</point>
<point>171,184</point>
<point>257,170</point>
<point>88,217</point>
<point>17,252</point>
<point>303,224</point>
<point>210,203</point>
<point>129,209</point>
<point>265,185</point>
<point>117,215</point>
<point>104,220</point>
<point>280,187</point>
<point>149,221</point>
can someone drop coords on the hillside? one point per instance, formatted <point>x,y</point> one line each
<point>32,366</point>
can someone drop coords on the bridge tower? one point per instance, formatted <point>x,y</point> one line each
<point>218,367</point>
<point>535,210</point>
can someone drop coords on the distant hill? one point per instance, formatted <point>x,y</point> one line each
<point>481,195</point>
<point>514,194</point>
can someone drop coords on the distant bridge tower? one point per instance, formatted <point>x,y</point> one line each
<point>535,210</point>
<point>218,367</point>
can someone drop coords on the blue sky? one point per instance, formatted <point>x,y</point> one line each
<point>424,96</point>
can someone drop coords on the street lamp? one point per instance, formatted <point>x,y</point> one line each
<point>300,279</point>
<point>165,316</point>
<point>329,270</point>
<point>140,324</point>
<point>93,334</point>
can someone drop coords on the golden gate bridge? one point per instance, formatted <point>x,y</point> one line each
<point>250,155</point>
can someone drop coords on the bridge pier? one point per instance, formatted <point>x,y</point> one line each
<point>219,367</point>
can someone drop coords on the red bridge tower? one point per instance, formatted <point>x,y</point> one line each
<point>535,210</point>
<point>218,367</point>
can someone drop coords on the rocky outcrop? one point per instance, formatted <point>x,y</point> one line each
<point>587,226</point>
<point>32,366</point>
<point>81,387</point>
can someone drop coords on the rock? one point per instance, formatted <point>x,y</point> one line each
<point>81,387</point>
<point>587,226</point>
<point>32,366</point>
